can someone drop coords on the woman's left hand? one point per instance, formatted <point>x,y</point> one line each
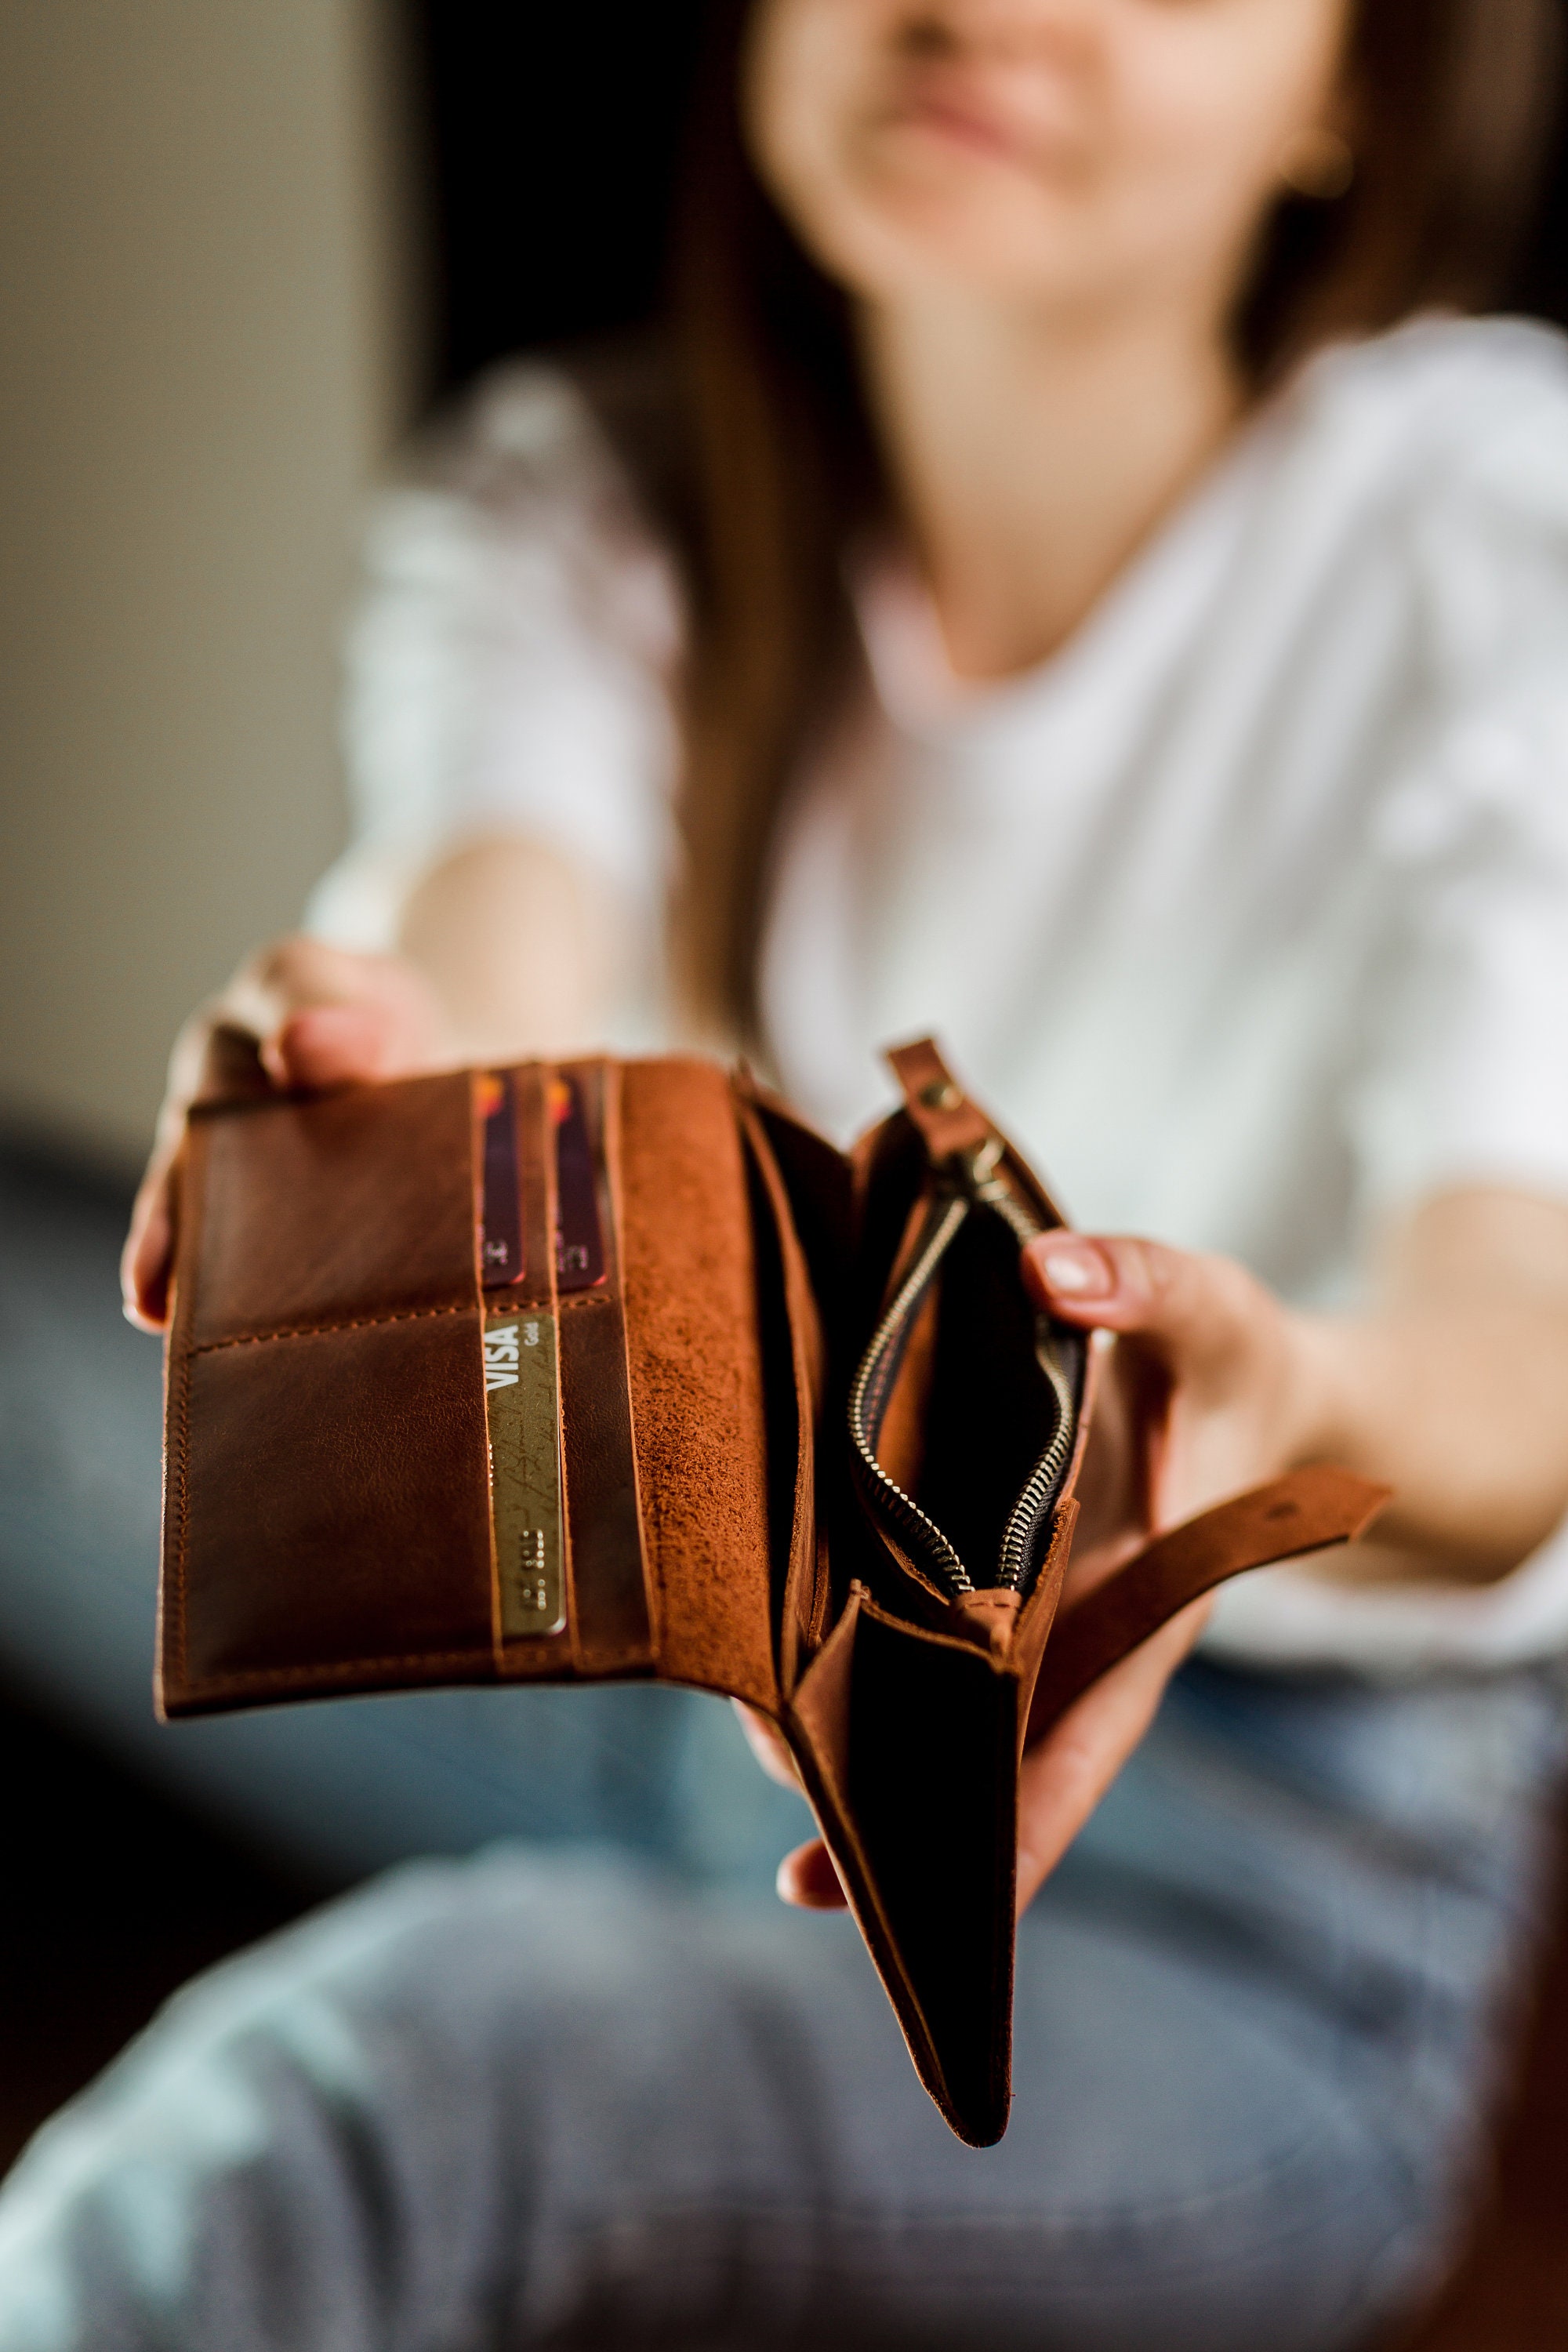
<point>1237,1375</point>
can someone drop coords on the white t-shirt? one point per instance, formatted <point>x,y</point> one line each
<point>1246,912</point>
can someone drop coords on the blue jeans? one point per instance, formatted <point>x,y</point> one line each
<point>594,2092</point>
<point>541,2099</point>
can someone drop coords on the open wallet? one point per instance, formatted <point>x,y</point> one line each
<point>617,1369</point>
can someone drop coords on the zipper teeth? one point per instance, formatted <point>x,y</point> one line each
<point>1039,1491</point>
<point>905,1506</point>
<point>1018,1537</point>
<point>1011,1211</point>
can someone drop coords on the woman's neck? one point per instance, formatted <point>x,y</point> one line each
<point>1033,460</point>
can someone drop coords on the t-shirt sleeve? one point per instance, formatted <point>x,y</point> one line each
<point>509,668</point>
<point>1463,1076</point>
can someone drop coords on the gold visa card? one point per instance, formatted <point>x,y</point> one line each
<point>522,1409</point>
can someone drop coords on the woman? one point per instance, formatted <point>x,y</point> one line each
<point>1047,595</point>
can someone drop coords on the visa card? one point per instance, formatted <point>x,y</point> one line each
<point>579,1237</point>
<point>501,1200</point>
<point>523,1413</point>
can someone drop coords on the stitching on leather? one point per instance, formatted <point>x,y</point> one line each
<point>193,1202</point>
<point>183,1489</point>
<point>321,1330</point>
<point>181,1484</point>
<point>599,1658</point>
<point>252,1676</point>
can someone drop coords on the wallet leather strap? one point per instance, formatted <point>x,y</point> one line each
<point>948,1121</point>
<point>1304,1511</point>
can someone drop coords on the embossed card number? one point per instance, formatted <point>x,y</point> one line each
<point>521,1408</point>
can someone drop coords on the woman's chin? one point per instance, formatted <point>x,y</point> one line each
<point>912,232</point>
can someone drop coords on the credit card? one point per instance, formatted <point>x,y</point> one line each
<point>579,1239</point>
<point>500,1201</point>
<point>522,1409</point>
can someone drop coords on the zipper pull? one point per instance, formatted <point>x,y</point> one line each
<point>977,1175</point>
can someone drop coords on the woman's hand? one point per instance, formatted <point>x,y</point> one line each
<point>1224,1379</point>
<point>508,951</point>
<point>1237,1377</point>
<point>298,1013</point>
<point>1452,1390</point>
<point>1215,1386</point>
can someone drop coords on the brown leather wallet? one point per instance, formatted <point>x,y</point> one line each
<point>559,1373</point>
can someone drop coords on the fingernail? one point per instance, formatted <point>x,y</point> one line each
<point>1078,1270</point>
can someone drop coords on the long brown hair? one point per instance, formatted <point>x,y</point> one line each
<point>776,461</point>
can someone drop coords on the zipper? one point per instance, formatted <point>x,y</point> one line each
<point>977,1186</point>
<point>1016,1563</point>
<point>869,1397</point>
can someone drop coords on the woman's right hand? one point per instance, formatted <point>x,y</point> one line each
<point>297,1013</point>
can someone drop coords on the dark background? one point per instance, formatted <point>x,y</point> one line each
<point>548,220</point>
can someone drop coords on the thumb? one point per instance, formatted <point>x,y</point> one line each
<point>322,1016</point>
<point>333,1045</point>
<point>1193,1311</point>
<point>808,1880</point>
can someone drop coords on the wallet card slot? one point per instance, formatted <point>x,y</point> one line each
<point>611,1619</point>
<point>569,1563</point>
<point>791,1348</point>
<point>326,1524</point>
<point>308,1213</point>
<point>523,1415</point>
<point>522,1362</point>
<point>817,1185</point>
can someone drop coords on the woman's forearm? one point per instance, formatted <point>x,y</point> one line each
<point>1464,1413</point>
<point>518,944</point>
<point>1455,1388</point>
<point>1452,1389</point>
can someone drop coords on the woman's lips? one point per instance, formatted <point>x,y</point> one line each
<point>1021,127</point>
<point>967,125</point>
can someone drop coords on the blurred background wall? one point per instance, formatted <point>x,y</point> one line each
<point>211,266</point>
<point>243,245</point>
